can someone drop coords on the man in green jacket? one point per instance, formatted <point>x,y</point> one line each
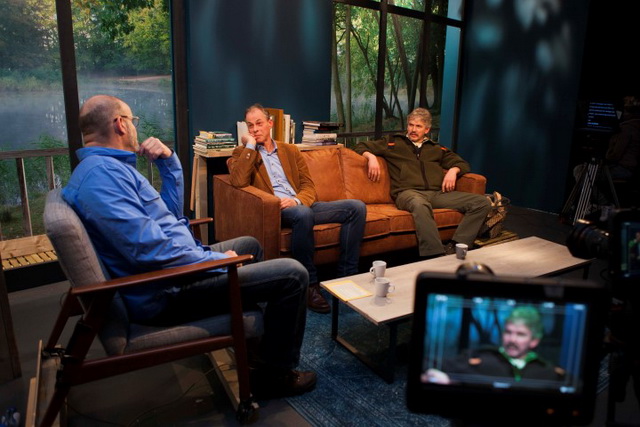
<point>419,183</point>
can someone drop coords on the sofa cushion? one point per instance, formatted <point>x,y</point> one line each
<point>399,221</point>
<point>326,173</point>
<point>358,185</point>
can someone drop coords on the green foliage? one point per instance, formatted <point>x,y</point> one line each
<point>122,37</point>
<point>149,42</point>
<point>28,35</point>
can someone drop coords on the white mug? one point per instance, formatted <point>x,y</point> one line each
<point>461,250</point>
<point>378,268</point>
<point>383,287</point>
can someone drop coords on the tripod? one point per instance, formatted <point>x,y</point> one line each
<point>584,187</point>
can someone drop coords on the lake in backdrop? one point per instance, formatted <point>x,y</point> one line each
<point>26,115</point>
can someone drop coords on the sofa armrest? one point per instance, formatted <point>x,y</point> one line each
<point>246,211</point>
<point>472,183</point>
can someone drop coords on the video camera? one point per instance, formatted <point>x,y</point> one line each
<point>615,238</point>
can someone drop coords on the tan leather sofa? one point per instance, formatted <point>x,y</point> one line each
<point>338,173</point>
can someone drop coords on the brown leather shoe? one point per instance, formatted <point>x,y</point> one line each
<point>265,384</point>
<point>315,300</point>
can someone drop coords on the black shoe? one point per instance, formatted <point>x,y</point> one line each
<point>315,300</point>
<point>269,384</point>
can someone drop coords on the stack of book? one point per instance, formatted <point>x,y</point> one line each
<point>320,133</point>
<point>213,141</point>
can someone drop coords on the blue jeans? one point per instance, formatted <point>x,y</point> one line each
<point>280,283</point>
<point>350,213</point>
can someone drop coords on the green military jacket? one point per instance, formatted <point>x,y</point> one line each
<point>412,168</point>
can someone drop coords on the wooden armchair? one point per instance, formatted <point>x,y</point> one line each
<point>130,346</point>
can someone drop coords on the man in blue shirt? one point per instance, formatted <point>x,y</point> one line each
<point>135,229</point>
<point>280,169</point>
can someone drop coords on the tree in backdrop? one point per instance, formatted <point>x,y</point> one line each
<point>28,35</point>
<point>413,65</point>
<point>124,36</point>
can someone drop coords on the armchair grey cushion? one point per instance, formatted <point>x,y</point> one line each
<point>81,264</point>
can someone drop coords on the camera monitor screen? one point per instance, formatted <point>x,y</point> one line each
<point>491,348</point>
<point>626,245</point>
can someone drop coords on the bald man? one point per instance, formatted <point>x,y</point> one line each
<point>135,229</point>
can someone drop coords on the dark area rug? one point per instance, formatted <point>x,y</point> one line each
<point>348,392</point>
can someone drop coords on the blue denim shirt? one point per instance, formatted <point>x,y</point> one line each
<point>134,228</point>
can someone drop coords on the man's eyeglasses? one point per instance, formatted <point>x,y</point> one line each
<point>134,119</point>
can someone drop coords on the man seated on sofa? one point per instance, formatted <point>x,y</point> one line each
<point>419,185</point>
<point>280,169</point>
<point>135,229</point>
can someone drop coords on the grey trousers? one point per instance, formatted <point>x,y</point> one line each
<point>421,204</point>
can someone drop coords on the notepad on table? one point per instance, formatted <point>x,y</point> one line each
<point>347,290</point>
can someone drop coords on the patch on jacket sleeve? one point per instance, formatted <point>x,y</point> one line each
<point>444,148</point>
<point>391,144</point>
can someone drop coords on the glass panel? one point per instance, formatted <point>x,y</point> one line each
<point>125,50</point>
<point>454,9</point>
<point>354,65</point>
<point>409,81</point>
<point>402,71</point>
<point>441,8</point>
<point>409,4</point>
<point>435,74</point>
<point>32,113</point>
<point>449,85</point>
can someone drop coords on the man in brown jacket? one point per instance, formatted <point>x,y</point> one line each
<point>279,169</point>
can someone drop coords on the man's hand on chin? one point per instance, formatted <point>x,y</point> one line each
<point>152,148</point>
<point>248,139</point>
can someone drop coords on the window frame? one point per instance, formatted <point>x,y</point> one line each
<point>384,8</point>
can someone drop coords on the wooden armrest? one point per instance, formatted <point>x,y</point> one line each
<point>167,273</point>
<point>200,221</point>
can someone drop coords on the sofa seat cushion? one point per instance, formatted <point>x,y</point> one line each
<point>325,235</point>
<point>377,225</point>
<point>399,221</point>
<point>446,218</point>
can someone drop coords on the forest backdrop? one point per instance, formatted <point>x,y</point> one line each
<point>118,44</point>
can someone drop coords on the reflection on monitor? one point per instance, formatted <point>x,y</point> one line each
<point>523,346</point>
<point>472,341</point>
<point>629,249</point>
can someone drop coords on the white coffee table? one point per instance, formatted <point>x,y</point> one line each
<point>528,257</point>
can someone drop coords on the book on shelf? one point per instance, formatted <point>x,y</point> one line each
<point>219,145</point>
<point>209,151</point>
<point>213,140</point>
<point>319,133</point>
<point>319,125</point>
<point>287,129</point>
<point>324,142</point>
<point>277,115</point>
<point>214,134</point>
